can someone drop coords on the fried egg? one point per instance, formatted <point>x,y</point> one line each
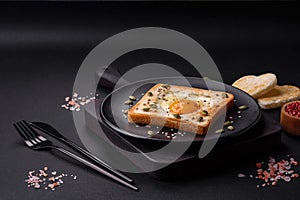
<point>184,107</point>
<point>182,102</point>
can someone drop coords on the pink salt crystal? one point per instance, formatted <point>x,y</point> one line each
<point>240,175</point>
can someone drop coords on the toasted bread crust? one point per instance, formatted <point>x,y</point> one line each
<point>279,96</point>
<point>138,116</point>
<point>256,86</point>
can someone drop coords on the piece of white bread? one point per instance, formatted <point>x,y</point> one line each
<point>197,107</point>
<point>278,96</point>
<point>256,86</point>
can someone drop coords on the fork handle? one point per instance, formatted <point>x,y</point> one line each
<point>95,167</point>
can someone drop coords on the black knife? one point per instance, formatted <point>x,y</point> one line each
<point>49,130</point>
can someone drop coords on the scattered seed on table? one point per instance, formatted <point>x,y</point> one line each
<point>227,123</point>
<point>220,131</point>
<point>132,98</point>
<point>128,102</point>
<point>151,133</point>
<point>243,107</point>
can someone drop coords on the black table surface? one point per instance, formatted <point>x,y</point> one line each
<point>43,44</point>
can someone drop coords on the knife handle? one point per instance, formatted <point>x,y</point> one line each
<point>95,167</point>
<point>97,160</point>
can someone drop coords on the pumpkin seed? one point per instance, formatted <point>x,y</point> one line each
<point>165,86</point>
<point>132,98</point>
<point>146,109</point>
<point>176,115</point>
<point>153,106</point>
<point>151,133</point>
<point>200,119</point>
<point>227,123</point>
<point>204,112</point>
<point>225,95</point>
<point>128,102</point>
<point>220,131</point>
<point>243,107</point>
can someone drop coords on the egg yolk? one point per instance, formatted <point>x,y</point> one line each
<point>183,107</point>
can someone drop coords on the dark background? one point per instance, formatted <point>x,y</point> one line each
<point>43,44</point>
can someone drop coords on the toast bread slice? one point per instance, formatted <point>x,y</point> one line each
<point>256,86</point>
<point>278,96</point>
<point>184,108</point>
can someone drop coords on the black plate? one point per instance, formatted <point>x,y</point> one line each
<point>112,106</point>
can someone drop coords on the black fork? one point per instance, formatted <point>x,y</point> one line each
<point>37,142</point>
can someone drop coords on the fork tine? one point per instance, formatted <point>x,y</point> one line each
<point>27,140</point>
<point>27,133</point>
<point>35,134</point>
<point>16,125</point>
<point>32,133</point>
